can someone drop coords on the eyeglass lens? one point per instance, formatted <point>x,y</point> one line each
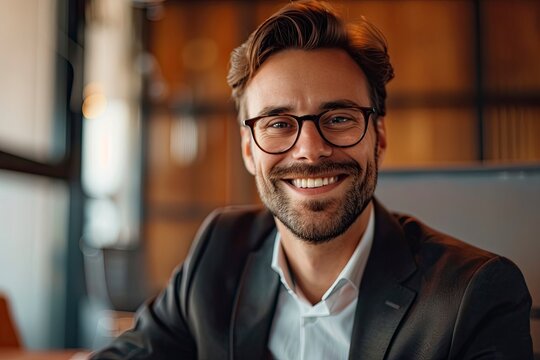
<point>339,127</point>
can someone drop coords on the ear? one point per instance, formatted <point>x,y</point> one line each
<point>247,153</point>
<point>380,128</point>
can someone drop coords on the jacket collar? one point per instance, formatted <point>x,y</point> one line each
<point>382,303</point>
<point>255,304</point>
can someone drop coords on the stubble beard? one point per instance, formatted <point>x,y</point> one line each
<point>319,221</point>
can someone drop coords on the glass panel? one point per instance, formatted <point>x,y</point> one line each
<point>28,31</point>
<point>33,219</point>
<point>111,125</point>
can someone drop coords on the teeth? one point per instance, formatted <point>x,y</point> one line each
<point>314,183</point>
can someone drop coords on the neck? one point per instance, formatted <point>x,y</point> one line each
<point>315,267</point>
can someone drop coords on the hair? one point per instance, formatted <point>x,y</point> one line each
<point>310,25</point>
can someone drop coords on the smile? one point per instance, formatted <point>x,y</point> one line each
<point>314,183</point>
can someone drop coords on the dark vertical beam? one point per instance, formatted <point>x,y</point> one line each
<point>145,29</point>
<point>74,262</point>
<point>480,98</point>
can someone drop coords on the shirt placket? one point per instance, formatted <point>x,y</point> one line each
<point>309,328</point>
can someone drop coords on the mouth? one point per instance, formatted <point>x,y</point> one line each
<point>314,180</point>
<point>312,183</point>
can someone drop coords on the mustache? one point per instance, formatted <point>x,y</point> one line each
<point>321,168</point>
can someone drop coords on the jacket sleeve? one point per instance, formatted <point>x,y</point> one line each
<point>176,324</point>
<point>493,319</point>
<point>160,331</point>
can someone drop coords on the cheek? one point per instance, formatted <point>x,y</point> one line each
<point>264,163</point>
<point>364,152</point>
<point>263,166</point>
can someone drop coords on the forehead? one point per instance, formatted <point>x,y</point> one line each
<point>302,80</point>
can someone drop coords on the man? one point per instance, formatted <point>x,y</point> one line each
<point>325,272</point>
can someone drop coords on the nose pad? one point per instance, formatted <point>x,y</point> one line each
<point>310,144</point>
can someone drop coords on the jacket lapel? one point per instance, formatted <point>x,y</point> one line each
<point>254,305</point>
<point>382,300</point>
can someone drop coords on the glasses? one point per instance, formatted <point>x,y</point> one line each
<point>342,127</point>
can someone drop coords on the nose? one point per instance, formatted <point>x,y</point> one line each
<point>310,146</point>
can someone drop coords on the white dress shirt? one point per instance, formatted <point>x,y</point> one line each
<point>301,331</point>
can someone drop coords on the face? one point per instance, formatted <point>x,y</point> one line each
<point>315,190</point>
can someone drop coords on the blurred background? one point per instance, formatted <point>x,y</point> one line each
<point>118,136</point>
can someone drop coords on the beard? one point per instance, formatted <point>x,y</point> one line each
<point>319,221</point>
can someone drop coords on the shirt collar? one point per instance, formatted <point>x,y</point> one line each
<point>354,269</point>
<point>281,266</point>
<point>352,272</point>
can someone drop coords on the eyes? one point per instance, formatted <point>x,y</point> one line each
<point>342,127</point>
<point>335,119</point>
<point>282,123</point>
<point>341,119</point>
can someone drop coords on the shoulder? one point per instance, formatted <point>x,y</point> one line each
<point>227,236</point>
<point>245,224</point>
<point>431,247</point>
<point>219,251</point>
<point>455,263</point>
<point>467,300</point>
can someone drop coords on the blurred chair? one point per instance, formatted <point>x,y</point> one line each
<point>117,283</point>
<point>116,277</point>
<point>9,336</point>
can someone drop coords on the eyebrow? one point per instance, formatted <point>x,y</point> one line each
<point>274,110</point>
<point>341,103</point>
<point>277,110</point>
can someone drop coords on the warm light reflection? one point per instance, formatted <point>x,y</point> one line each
<point>95,101</point>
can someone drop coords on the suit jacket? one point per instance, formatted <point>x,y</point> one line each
<point>424,295</point>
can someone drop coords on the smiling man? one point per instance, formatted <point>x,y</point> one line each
<point>324,271</point>
<point>315,173</point>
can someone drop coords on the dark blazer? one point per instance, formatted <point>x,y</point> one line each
<point>424,295</point>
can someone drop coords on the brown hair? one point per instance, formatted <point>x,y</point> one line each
<point>310,25</point>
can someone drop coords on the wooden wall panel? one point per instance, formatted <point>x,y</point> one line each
<point>431,122</point>
<point>512,44</point>
<point>430,43</point>
<point>432,137</point>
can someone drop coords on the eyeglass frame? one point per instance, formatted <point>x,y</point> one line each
<point>367,112</point>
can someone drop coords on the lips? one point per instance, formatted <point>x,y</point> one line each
<point>310,183</point>
<point>314,179</point>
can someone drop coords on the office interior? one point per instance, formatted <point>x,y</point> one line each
<point>118,137</point>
